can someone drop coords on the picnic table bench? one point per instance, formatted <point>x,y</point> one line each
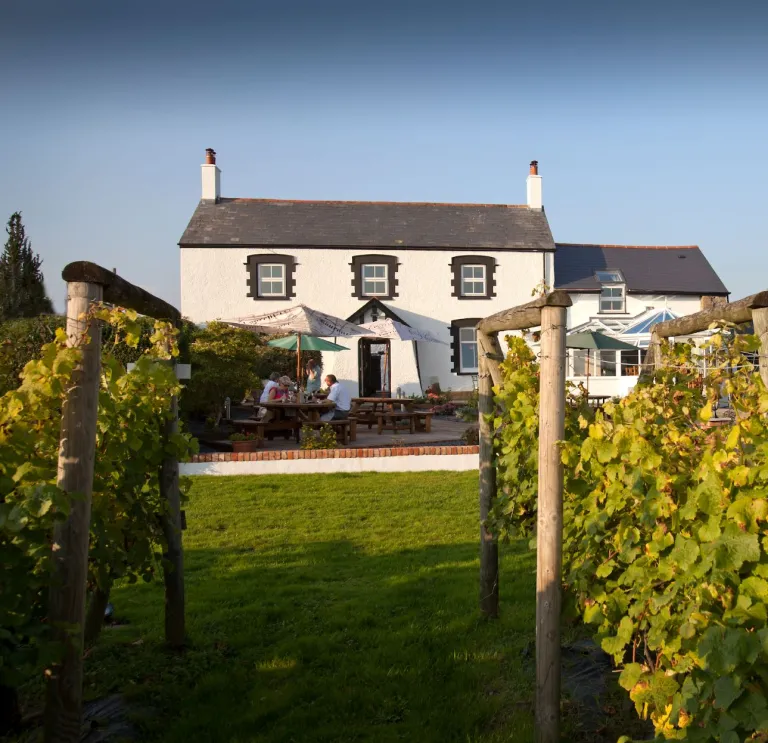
<point>345,428</point>
<point>388,412</point>
<point>415,421</point>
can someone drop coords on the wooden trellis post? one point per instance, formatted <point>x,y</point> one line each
<point>86,283</point>
<point>66,611</point>
<point>549,312</point>
<point>173,559</point>
<point>549,533</point>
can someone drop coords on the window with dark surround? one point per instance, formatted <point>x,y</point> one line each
<point>464,345</point>
<point>374,276</point>
<point>271,276</point>
<point>473,277</point>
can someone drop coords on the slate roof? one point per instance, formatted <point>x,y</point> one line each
<point>647,269</point>
<point>366,224</point>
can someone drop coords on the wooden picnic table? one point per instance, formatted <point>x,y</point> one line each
<point>378,404</point>
<point>390,412</point>
<point>303,412</point>
<point>310,411</point>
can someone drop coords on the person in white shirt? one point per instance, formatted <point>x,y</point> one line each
<point>269,386</point>
<point>338,395</point>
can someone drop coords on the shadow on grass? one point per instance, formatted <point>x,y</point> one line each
<point>328,642</point>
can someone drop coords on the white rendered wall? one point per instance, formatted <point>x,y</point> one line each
<point>424,463</point>
<point>586,306</point>
<point>213,286</point>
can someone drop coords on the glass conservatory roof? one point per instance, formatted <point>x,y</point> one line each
<point>644,326</point>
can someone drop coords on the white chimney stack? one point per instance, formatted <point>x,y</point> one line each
<point>534,187</point>
<point>211,177</point>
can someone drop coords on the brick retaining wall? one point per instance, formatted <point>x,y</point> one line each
<point>272,456</point>
<point>385,459</point>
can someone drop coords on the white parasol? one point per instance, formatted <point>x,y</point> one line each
<point>389,328</point>
<point>301,320</point>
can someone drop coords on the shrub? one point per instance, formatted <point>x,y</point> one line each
<point>243,437</point>
<point>22,339</point>
<point>20,342</point>
<point>471,436</point>
<point>322,438</point>
<point>226,362</point>
<point>448,408</point>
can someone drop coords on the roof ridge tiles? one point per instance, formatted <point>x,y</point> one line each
<point>629,247</point>
<point>341,202</point>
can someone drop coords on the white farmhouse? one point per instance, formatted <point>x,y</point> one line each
<point>435,267</point>
<point>622,291</point>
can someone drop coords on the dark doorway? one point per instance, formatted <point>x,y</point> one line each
<point>375,369</point>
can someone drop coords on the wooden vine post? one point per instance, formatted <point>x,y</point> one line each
<point>549,312</point>
<point>86,283</point>
<point>549,532</point>
<point>66,607</point>
<point>173,558</point>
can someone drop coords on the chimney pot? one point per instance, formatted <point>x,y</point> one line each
<point>534,167</point>
<point>210,157</point>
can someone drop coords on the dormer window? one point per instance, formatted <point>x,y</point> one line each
<point>612,291</point>
<point>609,277</point>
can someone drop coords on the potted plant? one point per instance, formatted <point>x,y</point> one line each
<point>242,442</point>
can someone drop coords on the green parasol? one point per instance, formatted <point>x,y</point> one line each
<point>594,341</point>
<point>300,342</point>
<point>308,343</point>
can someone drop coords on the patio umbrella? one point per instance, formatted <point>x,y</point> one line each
<point>303,321</point>
<point>592,340</point>
<point>308,343</point>
<point>299,319</point>
<point>301,343</point>
<point>389,328</point>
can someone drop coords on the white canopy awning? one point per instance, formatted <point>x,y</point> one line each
<point>390,328</point>
<point>298,319</point>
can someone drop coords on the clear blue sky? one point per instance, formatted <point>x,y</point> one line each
<point>649,119</point>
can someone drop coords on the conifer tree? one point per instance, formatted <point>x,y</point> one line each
<point>22,288</point>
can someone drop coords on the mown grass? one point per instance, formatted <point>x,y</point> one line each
<point>329,608</point>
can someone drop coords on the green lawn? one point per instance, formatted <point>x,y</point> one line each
<point>330,608</point>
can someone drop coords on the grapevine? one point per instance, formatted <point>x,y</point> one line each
<point>126,538</point>
<point>664,546</point>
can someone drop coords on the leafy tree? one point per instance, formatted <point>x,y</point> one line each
<point>20,342</point>
<point>22,339</point>
<point>22,289</point>
<point>227,362</point>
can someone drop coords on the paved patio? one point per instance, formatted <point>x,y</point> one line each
<point>444,431</point>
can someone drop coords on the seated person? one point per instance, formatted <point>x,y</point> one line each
<point>284,386</point>
<point>338,395</point>
<point>268,393</point>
